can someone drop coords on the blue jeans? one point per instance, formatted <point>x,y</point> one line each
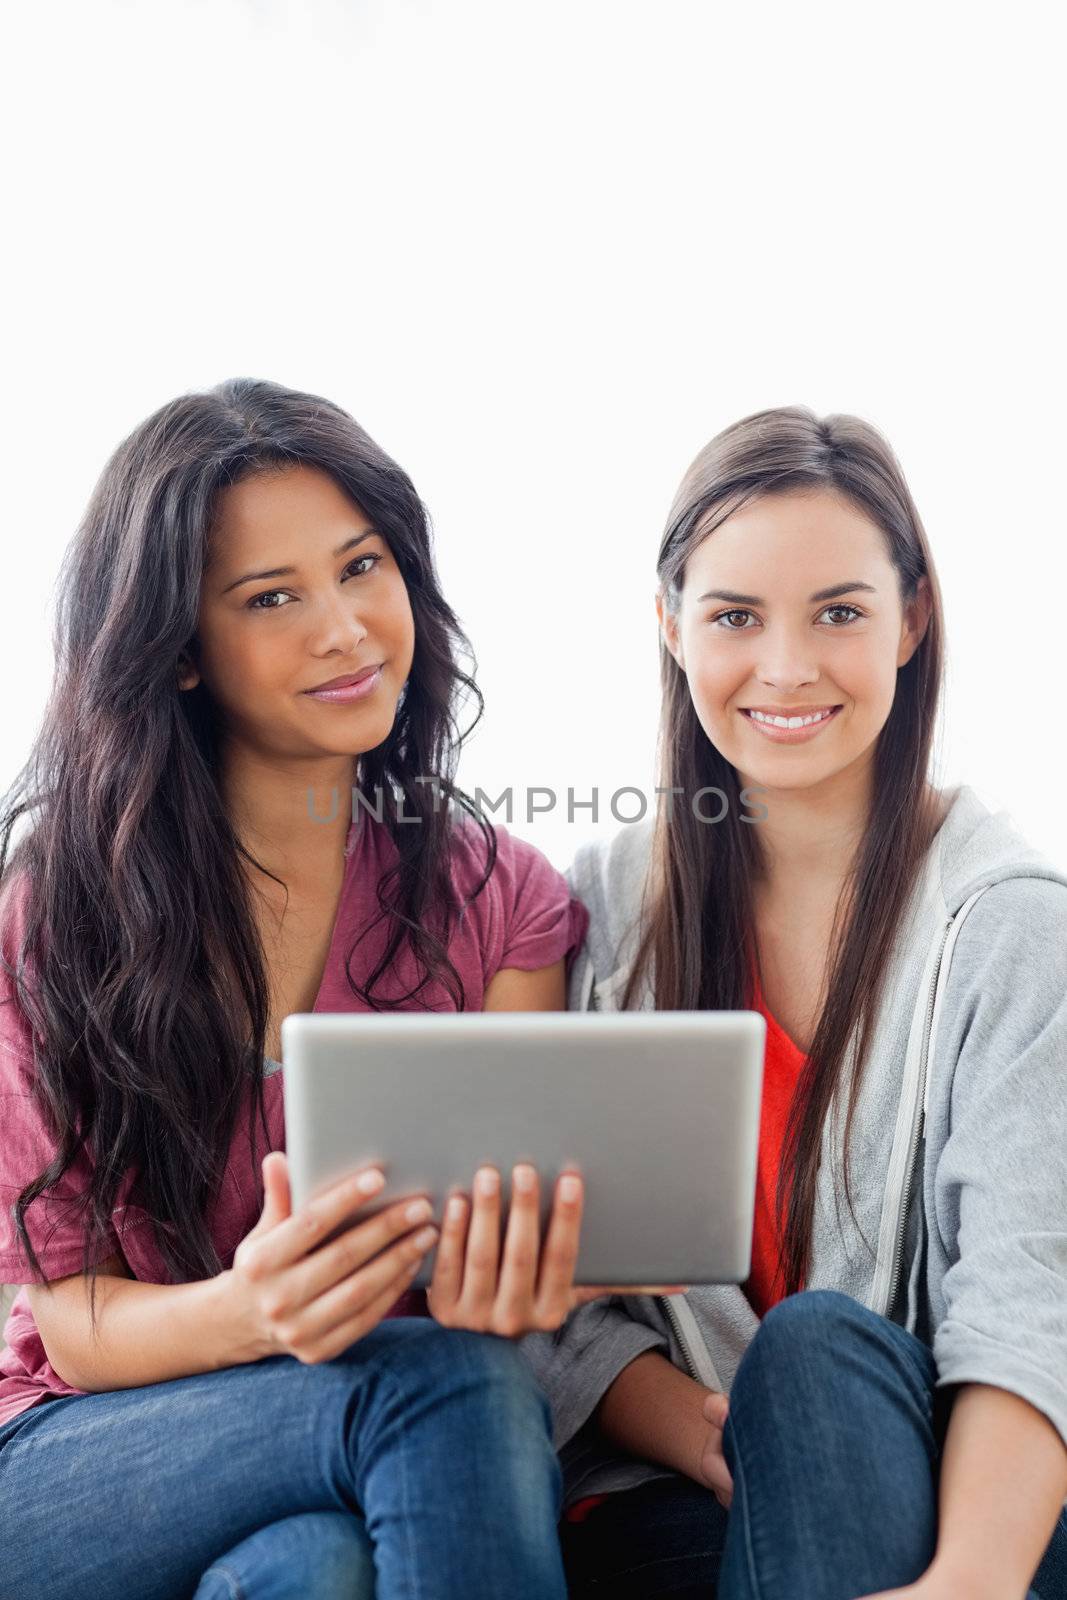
<point>834,1440</point>
<point>418,1462</point>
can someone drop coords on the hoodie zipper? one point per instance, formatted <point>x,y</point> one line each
<point>916,1133</point>
<point>676,1328</point>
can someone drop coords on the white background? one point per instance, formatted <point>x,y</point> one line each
<point>543,253</point>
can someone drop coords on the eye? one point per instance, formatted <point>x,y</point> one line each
<point>722,616</point>
<point>368,562</point>
<point>855,612</point>
<point>359,562</point>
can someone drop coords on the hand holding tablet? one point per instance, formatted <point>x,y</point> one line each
<point>518,1287</point>
<point>291,1294</point>
<point>296,1295</point>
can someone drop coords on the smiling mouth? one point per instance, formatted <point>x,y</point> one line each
<point>797,724</point>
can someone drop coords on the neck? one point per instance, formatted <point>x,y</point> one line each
<point>810,837</point>
<point>293,817</point>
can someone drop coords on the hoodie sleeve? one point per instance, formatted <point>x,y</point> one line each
<point>577,1364</point>
<point>1000,1188</point>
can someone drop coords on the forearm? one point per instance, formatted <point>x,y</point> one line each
<point>656,1412</point>
<point>1003,1485</point>
<point>148,1333</point>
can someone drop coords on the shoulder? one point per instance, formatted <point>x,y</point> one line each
<point>611,877</point>
<point>526,914</point>
<point>1017,924</point>
<point>518,866</point>
<point>1003,1029</point>
<point>613,869</point>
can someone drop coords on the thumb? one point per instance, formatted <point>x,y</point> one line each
<point>276,1199</point>
<point>716,1408</point>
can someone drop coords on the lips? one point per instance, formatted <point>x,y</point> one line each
<point>345,681</point>
<point>777,733</point>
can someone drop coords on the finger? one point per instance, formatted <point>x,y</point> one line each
<point>483,1244</point>
<point>560,1255</point>
<point>294,1236</point>
<point>447,1281</point>
<point>716,1472</point>
<point>518,1269</point>
<point>353,1296</point>
<point>277,1201</point>
<point>716,1408</point>
<point>357,1246</point>
<point>364,1321</point>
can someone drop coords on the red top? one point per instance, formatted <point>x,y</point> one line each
<point>525,918</point>
<point>782,1065</point>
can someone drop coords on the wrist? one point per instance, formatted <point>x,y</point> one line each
<point>236,1342</point>
<point>693,1436</point>
<point>957,1573</point>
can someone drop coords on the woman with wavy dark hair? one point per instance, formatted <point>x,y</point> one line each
<point>197,1394</point>
<point>883,1402</point>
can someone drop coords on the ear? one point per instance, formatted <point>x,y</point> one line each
<point>916,621</point>
<point>668,627</point>
<point>188,676</point>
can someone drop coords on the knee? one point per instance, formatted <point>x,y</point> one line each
<point>324,1553</point>
<point>814,1316</point>
<point>480,1373</point>
<point>467,1405</point>
<point>489,1370</point>
<point>801,1339</point>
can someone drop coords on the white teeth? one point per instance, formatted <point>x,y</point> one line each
<point>789,722</point>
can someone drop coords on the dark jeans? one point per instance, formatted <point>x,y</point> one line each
<point>834,1441</point>
<point>417,1462</point>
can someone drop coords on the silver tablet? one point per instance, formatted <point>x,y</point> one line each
<point>659,1111</point>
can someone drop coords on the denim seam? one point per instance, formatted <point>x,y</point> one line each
<point>400,1396</point>
<point>233,1582</point>
<point>739,1479</point>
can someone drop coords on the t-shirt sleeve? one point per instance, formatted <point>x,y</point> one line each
<point>54,1221</point>
<point>542,922</point>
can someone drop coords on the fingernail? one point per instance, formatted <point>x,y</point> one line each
<point>368,1182</point>
<point>418,1211</point>
<point>487,1180</point>
<point>524,1178</point>
<point>570,1187</point>
<point>426,1238</point>
<point>456,1207</point>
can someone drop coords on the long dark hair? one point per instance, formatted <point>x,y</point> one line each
<point>150,998</point>
<point>696,936</point>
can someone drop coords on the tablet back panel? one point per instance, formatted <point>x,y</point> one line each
<point>659,1111</point>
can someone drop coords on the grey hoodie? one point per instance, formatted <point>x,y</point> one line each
<point>958,1145</point>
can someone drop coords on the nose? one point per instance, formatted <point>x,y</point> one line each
<point>336,625</point>
<point>786,663</point>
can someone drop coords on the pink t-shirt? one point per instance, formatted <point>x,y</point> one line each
<point>525,917</point>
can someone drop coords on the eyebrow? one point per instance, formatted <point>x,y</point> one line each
<point>285,572</point>
<point>820,594</point>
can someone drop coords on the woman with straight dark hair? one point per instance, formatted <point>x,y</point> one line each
<point>882,1406</point>
<point>249,620</point>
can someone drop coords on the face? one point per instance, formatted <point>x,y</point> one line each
<point>265,636</point>
<point>792,606</point>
